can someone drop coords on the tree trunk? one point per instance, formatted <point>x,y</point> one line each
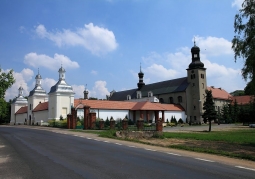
<point>210,125</point>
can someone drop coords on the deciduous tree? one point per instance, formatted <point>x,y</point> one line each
<point>6,81</point>
<point>243,42</point>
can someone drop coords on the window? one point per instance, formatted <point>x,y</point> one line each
<point>195,118</point>
<point>138,94</point>
<point>195,55</point>
<point>194,107</point>
<point>193,76</point>
<point>150,94</point>
<point>203,85</point>
<point>128,97</point>
<point>179,99</point>
<point>193,84</point>
<point>64,111</point>
<point>161,100</point>
<point>171,100</point>
<point>202,76</point>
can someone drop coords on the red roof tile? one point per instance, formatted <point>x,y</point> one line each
<point>242,99</point>
<point>22,110</point>
<point>120,105</point>
<point>41,107</point>
<point>219,93</point>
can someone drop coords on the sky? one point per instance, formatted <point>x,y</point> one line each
<point>102,43</point>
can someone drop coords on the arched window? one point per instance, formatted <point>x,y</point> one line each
<point>161,100</point>
<point>138,94</point>
<point>128,97</point>
<point>150,94</point>
<point>171,100</point>
<point>179,99</point>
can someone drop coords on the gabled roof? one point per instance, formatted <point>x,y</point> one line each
<point>219,93</point>
<point>22,110</point>
<point>242,99</point>
<point>163,87</point>
<point>41,107</point>
<point>126,105</point>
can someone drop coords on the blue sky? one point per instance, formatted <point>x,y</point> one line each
<point>101,43</point>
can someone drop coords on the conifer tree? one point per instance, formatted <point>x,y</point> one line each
<point>210,113</point>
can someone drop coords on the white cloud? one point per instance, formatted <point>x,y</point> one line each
<point>214,46</point>
<point>157,73</point>
<point>97,40</point>
<point>53,63</point>
<point>78,89</point>
<point>237,4</point>
<point>22,78</point>
<point>228,78</point>
<point>93,72</point>
<point>47,83</point>
<point>99,90</point>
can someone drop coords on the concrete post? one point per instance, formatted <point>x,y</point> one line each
<point>139,124</point>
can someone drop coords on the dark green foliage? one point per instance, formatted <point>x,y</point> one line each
<point>61,118</point>
<point>130,122</point>
<point>180,121</point>
<point>173,120</point>
<point>209,114</point>
<point>6,81</point>
<point>107,122</point>
<point>244,40</point>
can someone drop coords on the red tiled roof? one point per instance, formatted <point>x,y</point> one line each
<point>145,105</point>
<point>219,93</point>
<point>41,107</point>
<point>103,104</point>
<point>22,110</point>
<point>242,99</point>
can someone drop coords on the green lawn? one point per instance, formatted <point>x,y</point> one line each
<point>246,136</point>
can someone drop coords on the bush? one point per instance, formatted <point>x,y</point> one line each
<point>180,121</point>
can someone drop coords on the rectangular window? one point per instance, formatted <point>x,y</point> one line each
<point>64,111</point>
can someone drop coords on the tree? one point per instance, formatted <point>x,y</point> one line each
<point>235,111</point>
<point>210,113</point>
<point>6,81</point>
<point>243,42</point>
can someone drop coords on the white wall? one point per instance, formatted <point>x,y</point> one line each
<point>20,118</point>
<point>177,114</point>
<point>40,116</point>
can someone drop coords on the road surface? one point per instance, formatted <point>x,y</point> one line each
<point>38,152</point>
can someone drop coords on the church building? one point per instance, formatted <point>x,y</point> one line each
<point>188,92</point>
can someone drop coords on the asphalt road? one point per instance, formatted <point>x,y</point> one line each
<point>29,152</point>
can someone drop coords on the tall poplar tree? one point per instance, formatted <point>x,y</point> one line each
<point>243,42</point>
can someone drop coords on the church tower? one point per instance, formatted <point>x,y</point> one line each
<point>140,84</point>
<point>17,103</point>
<point>61,97</point>
<point>36,96</point>
<point>196,75</point>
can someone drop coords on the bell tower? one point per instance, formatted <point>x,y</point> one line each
<point>196,76</point>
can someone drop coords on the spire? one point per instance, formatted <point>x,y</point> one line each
<point>61,72</point>
<point>38,79</point>
<point>85,92</point>
<point>20,91</point>
<point>195,53</point>
<point>140,84</point>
